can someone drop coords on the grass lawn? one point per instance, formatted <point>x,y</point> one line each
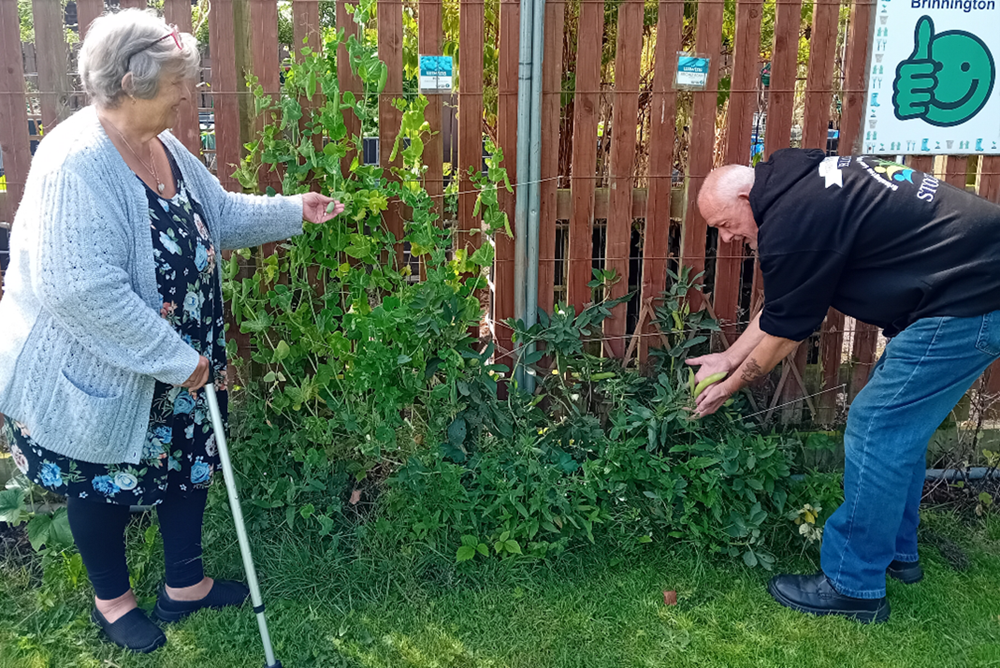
<point>591,609</point>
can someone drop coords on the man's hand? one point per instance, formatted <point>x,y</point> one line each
<point>710,365</point>
<point>916,77</point>
<point>712,398</point>
<point>199,377</point>
<point>318,209</point>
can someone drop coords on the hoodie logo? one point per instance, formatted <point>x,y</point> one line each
<point>830,171</point>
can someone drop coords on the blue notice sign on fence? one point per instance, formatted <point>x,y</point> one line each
<point>436,73</point>
<point>692,71</point>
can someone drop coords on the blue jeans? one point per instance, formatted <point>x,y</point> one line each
<point>922,374</point>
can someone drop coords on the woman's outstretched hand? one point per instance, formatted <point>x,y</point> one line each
<point>317,208</point>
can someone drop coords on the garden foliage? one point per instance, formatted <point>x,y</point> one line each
<point>365,380</point>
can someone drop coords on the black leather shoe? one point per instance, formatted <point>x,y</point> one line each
<point>814,594</point>
<point>133,631</point>
<point>224,593</point>
<point>907,572</point>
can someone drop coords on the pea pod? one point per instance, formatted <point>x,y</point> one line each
<point>604,375</point>
<point>691,381</point>
<point>711,380</point>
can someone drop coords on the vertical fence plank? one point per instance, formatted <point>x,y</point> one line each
<point>390,50</point>
<point>222,43</point>
<point>628,52</point>
<point>816,117</point>
<point>586,107</point>
<point>780,107</point>
<point>50,48</point>
<point>989,188</point>
<point>178,12</point>
<point>855,79</point>
<point>700,156</point>
<point>347,79</point>
<point>663,127</point>
<point>430,34</point>
<point>555,19</point>
<point>132,4</point>
<point>470,116</point>
<point>305,27</point>
<point>264,61</point>
<point>503,273</point>
<point>742,100</point>
<point>86,12</point>
<point>13,111</point>
<point>956,170</point>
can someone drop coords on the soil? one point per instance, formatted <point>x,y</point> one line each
<point>15,549</point>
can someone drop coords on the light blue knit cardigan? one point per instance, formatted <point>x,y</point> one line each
<point>81,337</point>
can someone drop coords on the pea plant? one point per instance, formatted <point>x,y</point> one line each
<point>347,350</point>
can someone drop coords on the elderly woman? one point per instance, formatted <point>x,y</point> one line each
<point>113,317</point>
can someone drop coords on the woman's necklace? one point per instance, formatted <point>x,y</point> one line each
<point>150,167</point>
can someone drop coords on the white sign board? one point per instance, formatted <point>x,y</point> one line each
<point>436,74</point>
<point>933,79</point>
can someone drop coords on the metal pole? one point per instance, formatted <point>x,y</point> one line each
<point>241,530</point>
<point>521,176</point>
<point>535,171</point>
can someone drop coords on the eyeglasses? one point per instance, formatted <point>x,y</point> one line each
<point>174,33</point>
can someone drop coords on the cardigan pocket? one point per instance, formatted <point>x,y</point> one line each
<point>87,420</point>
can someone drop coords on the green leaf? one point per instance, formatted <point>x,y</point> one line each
<point>307,510</point>
<point>457,432</point>
<point>38,531</point>
<point>281,351</point>
<point>465,553</point>
<point>512,547</point>
<point>12,506</point>
<point>750,559</point>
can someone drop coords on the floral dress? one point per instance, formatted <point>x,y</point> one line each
<point>180,450</point>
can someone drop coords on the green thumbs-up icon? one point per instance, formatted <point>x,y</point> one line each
<point>946,80</point>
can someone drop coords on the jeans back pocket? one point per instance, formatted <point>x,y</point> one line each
<point>989,334</point>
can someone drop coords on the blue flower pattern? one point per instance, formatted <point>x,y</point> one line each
<point>175,453</point>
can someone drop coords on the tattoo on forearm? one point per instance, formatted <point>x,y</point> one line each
<point>751,371</point>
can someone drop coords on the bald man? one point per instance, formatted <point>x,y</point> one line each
<point>890,246</point>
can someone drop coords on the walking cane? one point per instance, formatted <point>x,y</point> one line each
<point>241,530</point>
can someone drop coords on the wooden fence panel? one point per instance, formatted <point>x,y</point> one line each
<point>816,117</point>
<point>552,64</point>
<point>989,188</point>
<point>222,42</point>
<point>430,37</point>
<point>746,65</point>
<point>470,116</point>
<point>306,31</point>
<point>347,79</point>
<point>662,131</point>
<point>132,4</point>
<point>13,111</point>
<point>503,264</point>
<point>178,12</point>
<point>86,12</point>
<point>955,171</point>
<point>852,116</point>
<point>390,50</point>
<point>586,108</point>
<point>708,41</point>
<point>264,57</point>
<point>50,48</point>
<point>780,108</point>
<point>628,52</point>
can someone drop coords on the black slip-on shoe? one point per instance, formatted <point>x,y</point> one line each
<point>133,631</point>
<point>907,572</point>
<point>224,593</point>
<point>814,594</point>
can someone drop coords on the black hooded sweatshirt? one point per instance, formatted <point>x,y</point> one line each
<point>880,242</point>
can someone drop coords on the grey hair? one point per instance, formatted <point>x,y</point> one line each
<point>114,47</point>
<point>724,185</point>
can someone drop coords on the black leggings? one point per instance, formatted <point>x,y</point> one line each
<point>99,531</point>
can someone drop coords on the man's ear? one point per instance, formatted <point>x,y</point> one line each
<point>128,84</point>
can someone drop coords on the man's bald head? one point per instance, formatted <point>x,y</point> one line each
<point>724,202</point>
<point>723,187</point>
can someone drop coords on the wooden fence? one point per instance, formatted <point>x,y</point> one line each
<point>624,152</point>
